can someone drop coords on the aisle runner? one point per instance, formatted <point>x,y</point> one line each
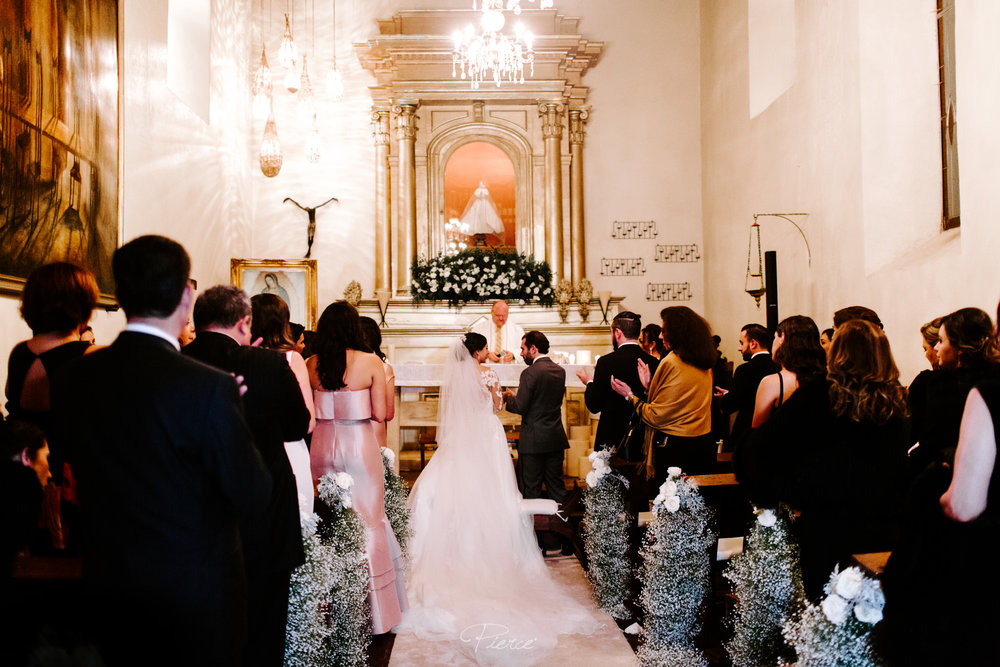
<point>606,647</point>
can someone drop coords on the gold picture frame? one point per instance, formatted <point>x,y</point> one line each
<point>294,280</point>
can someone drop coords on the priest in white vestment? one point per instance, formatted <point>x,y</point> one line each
<point>503,337</point>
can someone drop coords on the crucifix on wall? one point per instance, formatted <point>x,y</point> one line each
<point>311,211</point>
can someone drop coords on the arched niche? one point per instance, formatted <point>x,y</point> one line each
<point>440,150</point>
<point>474,168</point>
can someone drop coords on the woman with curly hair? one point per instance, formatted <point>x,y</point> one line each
<point>678,410</point>
<point>836,452</point>
<point>802,359</point>
<point>966,353</point>
<point>349,393</point>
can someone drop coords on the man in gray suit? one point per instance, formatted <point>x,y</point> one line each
<point>539,400</point>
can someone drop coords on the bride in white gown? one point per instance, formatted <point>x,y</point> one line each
<point>477,576</point>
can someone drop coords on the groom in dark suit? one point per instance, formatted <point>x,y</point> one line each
<point>539,400</point>
<point>622,363</point>
<point>276,413</point>
<point>166,465</point>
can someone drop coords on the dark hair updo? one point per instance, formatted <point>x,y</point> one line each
<point>473,342</point>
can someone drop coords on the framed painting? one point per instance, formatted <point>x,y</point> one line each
<point>294,280</point>
<point>59,198</point>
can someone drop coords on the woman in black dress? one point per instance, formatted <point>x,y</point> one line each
<point>836,451</point>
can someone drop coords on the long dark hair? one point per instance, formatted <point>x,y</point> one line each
<point>338,330</point>
<point>970,332</point>
<point>652,332</point>
<point>372,335</point>
<point>473,342</point>
<point>689,336</point>
<point>864,379</point>
<point>270,321</point>
<point>800,351</point>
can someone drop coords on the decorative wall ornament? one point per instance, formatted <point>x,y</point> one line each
<point>352,293</point>
<point>564,294</point>
<point>668,291</point>
<point>629,229</point>
<point>584,294</point>
<point>679,253</point>
<point>623,266</point>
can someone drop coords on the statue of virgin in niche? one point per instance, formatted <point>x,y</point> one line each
<point>481,215</point>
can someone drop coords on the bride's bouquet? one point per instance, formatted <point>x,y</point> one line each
<point>675,573</point>
<point>837,633</point>
<point>605,536</point>
<point>343,534</point>
<point>768,585</point>
<point>395,501</point>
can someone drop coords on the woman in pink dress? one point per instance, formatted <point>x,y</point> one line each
<point>348,385</point>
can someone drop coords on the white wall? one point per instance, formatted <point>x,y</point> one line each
<point>855,143</point>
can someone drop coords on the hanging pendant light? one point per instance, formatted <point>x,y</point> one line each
<point>307,106</point>
<point>334,82</point>
<point>262,86</point>
<point>288,53</point>
<point>270,149</point>
<point>314,145</point>
<point>754,283</point>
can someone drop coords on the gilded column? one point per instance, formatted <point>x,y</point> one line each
<point>578,255</point>
<point>406,134</point>
<point>383,200</point>
<point>551,113</point>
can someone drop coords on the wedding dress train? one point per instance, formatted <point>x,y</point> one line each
<point>477,576</point>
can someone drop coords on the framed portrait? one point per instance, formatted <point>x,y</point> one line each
<point>59,183</point>
<point>294,280</point>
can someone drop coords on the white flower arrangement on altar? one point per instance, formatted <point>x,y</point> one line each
<point>395,501</point>
<point>481,275</point>
<point>343,534</point>
<point>605,536</point>
<point>675,573</point>
<point>767,583</point>
<point>837,633</point>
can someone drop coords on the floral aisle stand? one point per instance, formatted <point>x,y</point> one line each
<point>837,633</point>
<point>344,535</point>
<point>605,536</point>
<point>395,501</point>
<point>309,597</point>
<point>675,574</point>
<point>768,584</point>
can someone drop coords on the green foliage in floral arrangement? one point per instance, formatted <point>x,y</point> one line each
<point>344,535</point>
<point>837,632</point>
<point>768,584</point>
<point>308,599</point>
<point>481,275</point>
<point>395,501</point>
<point>675,574</point>
<point>605,537</point>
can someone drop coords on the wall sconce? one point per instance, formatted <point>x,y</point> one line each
<point>604,298</point>
<point>754,283</point>
<point>383,296</point>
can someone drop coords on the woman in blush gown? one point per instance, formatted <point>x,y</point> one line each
<point>477,576</point>
<point>349,394</point>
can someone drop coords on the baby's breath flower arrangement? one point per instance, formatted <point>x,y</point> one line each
<point>481,275</point>
<point>344,535</point>
<point>837,632</point>
<point>395,501</point>
<point>605,536</point>
<point>308,599</point>
<point>675,574</point>
<point>768,584</point>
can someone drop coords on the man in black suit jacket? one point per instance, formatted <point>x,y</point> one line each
<point>616,412</point>
<point>755,346</point>
<point>166,465</point>
<point>539,400</point>
<point>276,413</point>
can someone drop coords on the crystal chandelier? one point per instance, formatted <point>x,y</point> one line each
<point>270,149</point>
<point>493,54</point>
<point>288,52</point>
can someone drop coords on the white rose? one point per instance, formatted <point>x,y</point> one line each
<point>849,583</point>
<point>668,488</point>
<point>593,456</point>
<point>388,455</point>
<point>658,500</point>
<point>766,518</point>
<point>867,614</point>
<point>674,471</point>
<point>672,503</point>
<point>835,609</point>
<point>344,480</point>
<point>592,478</point>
